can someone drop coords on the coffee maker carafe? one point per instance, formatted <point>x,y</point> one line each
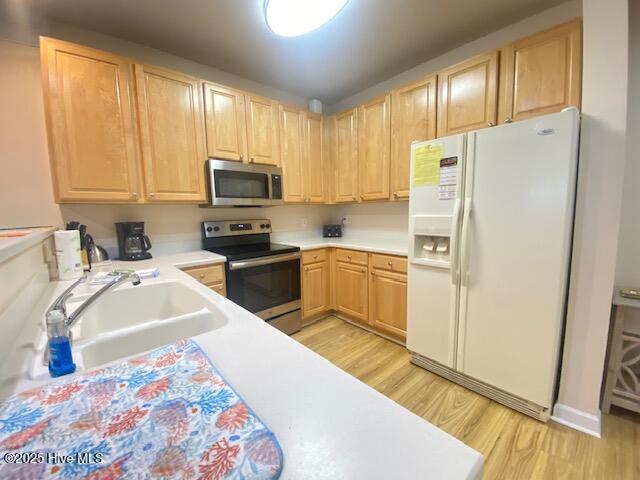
<point>133,244</point>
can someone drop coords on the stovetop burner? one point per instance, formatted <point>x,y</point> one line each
<point>239,240</point>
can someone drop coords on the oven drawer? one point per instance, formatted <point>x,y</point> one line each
<point>351,256</point>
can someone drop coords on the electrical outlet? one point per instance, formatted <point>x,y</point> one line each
<point>345,220</point>
<point>304,222</point>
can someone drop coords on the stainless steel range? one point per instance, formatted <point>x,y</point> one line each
<point>262,277</point>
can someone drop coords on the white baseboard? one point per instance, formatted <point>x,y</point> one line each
<point>577,419</point>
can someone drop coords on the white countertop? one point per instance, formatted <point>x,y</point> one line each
<point>329,424</point>
<point>390,243</point>
<point>11,246</point>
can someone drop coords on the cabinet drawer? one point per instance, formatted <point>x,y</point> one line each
<point>388,262</point>
<point>219,288</point>
<point>351,256</point>
<point>208,274</point>
<point>313,256</point>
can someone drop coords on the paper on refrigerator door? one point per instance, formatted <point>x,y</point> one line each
<point>426,165</point>
<point>448,178</point>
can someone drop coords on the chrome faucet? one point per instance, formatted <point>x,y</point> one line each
<point>60,303</point>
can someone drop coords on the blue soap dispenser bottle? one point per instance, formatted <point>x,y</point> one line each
<point>60,358</point>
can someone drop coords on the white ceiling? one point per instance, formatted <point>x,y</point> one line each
<point>369,41</point>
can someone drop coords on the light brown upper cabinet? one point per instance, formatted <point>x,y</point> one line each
<point>374,148</point>
<point>314,157</point>
<point>225,123</point>
<point>90,124</point>
<point>172,133</point>
<point>413,118</point>
<point>329,154</point>
<point>468,95</point>
<point>346,161</point>
<point>292,144</point>
<point>541,74</point>
<point>262,130</point>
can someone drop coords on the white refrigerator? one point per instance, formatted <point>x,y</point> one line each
<point>490,230</point>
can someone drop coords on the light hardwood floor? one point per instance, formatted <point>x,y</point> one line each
<point>514,446</point>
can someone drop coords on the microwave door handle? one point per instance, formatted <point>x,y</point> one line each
<point>240,264</point>
<point>269,187</point>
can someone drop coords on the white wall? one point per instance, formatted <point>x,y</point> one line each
<point>26,192</point>
<point>377,216</point>
<point>597,223</point>
<point>176,228</point>
<point>545,19</point>
<point>628,269</point>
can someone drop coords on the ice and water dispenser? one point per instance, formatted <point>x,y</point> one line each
<point>431,240</point>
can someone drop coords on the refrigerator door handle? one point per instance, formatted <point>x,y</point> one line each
<point>464,247</point>
<point>453,243</point>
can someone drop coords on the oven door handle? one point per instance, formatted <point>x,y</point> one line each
<point>240,264</point>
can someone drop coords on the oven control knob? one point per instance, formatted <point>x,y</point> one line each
<point>216,229</point>
<point>268,225</point>
<point>209,229</point>
<point>263,225</point>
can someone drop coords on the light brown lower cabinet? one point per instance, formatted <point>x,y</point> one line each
<point>352,291</point>
<point>370,289</point>
<point>315,280</point>
<point>211,276</point>
<point>388,302</point>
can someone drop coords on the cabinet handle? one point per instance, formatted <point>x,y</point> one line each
<point>202,275</point>
<point>252,159</point>
<point>490,124</point>
<point>134,194</point>
<point>353,197</point>
<point>315,256</point>
<point>395,194</point>
<point>306,269</point>
<point>508,120</point>
<point>389,263</point>
<point>373,273</point>
<point>241,157</point>
<point>152,194</point>
<point>349,257</point>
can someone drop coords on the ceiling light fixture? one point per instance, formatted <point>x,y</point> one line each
<point>291,18</point>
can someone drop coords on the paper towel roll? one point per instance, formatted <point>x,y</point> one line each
<point>68,254</point>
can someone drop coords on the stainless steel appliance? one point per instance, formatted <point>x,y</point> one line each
<point>133,244</point>
<point>236,184</point>
<point>262,277</point>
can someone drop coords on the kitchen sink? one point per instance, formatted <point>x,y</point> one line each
<point>126,307</point>
<point>134,319</point>
<point>143,337</point>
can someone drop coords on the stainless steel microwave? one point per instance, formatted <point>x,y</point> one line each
<point>236,184</point>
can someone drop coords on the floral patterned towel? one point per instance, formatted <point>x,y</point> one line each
<point>167,414</point>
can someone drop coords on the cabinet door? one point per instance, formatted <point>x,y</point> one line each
<point>90,123</point>
<point>388,302</point>
<point>330,146</point>
<point>351,291</point>
<point>468,95</point>
<point>292,143</point>
<point>541,73</point>
<point>346,167</point>
<point>374,140</point>
<point>262,130</point>
<point>225,123</point>
<point>314,153</point>
<point>413,118</point>
<point>171,126</point>
<point>315,289</point>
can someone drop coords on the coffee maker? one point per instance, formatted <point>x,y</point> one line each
<point>133,244</point>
